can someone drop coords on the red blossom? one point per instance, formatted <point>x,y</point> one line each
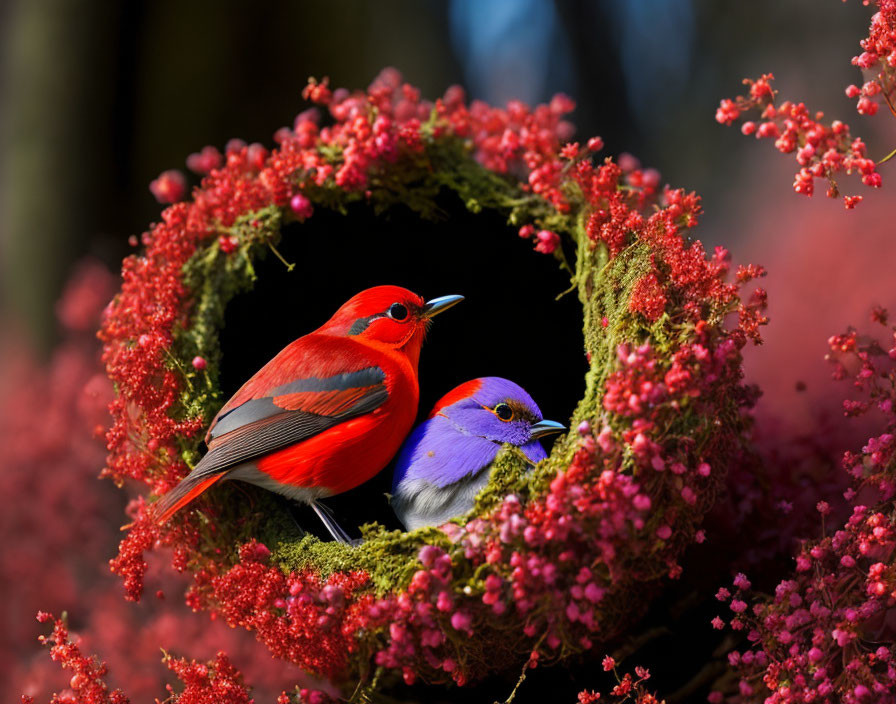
<point>169,187</point>
<point>547,241</point>
<point>251,593</point>
<point>877,60</point>
<point>87,292</point>
<point>206,160</point>
<point>217,682</point>
<point>301,206</point>
<point>52,417</point>
<point>88,674</point>
<point>627,688</point>
<point>648,297</point>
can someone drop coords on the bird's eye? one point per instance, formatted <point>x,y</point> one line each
<point>397,312</point>
<point>504,412</point>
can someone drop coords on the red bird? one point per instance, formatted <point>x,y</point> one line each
<point>328,412</point>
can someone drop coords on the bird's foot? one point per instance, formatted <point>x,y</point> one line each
<point>326,516</point>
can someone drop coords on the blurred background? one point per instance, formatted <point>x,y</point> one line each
<point>96,99</point>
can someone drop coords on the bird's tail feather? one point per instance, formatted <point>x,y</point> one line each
<point>181,495</point>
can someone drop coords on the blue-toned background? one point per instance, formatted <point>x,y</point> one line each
<point>98,98</point>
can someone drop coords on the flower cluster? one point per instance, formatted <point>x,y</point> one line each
<point>827,633</point>
<point>216,682</point>
<point>877,61</point>
<point>618,196</point>
<point>822,150</point>
<point>301,618</point>
<point>628,688</point>
<point>513,140</point>
<point>87,684</point>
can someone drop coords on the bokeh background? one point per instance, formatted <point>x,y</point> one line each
<point>96,99</point>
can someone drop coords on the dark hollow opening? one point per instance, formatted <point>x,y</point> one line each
<point>510,324</point>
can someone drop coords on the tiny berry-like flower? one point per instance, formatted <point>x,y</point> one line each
<point>570,151</point>
<point>169,187</point>
<point>301,206</point>
<point>204,161</point>
<point>228,244</point>
<point>547,241</point>
<point>461,621</point>
<point>723,594</point>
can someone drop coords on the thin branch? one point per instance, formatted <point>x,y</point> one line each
<point>288,265</point>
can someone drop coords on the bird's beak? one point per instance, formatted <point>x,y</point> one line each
<point>545,427</point>
<point>437,305</point>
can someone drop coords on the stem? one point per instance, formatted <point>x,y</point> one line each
<point>566,292</point>
<point>368,694</point>
<point>523,673</point>
<point>180,366</point>
<point>289,267</point>
<point>887,157</point>
<point>564,264</point>
<point>889,105</point>
<point>517,685</point>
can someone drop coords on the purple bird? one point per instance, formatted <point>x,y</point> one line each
<point>445,461</point>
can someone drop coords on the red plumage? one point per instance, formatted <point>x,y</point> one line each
<point>465,390</point>
<point>328,412</point>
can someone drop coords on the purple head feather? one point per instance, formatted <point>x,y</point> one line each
<point>466,429</point>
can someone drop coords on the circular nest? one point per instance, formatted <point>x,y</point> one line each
<point>545,565</point>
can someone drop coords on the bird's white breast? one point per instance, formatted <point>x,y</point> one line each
<point>420,503</point>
